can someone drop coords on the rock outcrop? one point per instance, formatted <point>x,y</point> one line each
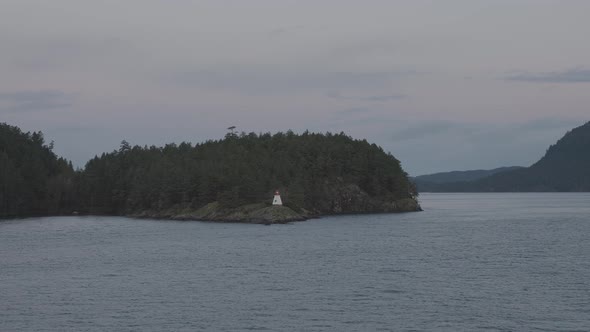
<point>252,213</point>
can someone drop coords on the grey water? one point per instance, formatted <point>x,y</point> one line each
<point>469,262</point>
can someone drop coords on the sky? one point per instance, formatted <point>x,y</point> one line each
<point>442,85</point>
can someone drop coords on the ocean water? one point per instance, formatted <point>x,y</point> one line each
<point>469,262</point>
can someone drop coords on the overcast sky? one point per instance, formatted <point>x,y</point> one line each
<point>443,85</point>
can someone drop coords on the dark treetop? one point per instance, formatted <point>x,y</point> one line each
<point>33,180</point>
<point>316,174</point>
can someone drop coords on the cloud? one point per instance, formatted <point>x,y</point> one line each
<point>24,101</point>
<point>354,110</point>
<point>485,134</point>
<point>550,123</point>
<point>267,80</point>
<point>66,52</point>
<point>431,129</point>
<point>281,32</point>
<point>575,75</point>
<point>375,98</point>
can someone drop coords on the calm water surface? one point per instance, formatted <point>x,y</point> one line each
<point>470,262</point>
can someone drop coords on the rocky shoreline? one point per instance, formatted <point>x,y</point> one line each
<point>266,214</point>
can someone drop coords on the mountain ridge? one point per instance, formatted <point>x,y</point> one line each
<point>565,167</point>
<point>457,176</point>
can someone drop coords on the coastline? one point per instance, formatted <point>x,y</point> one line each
<point>266,214</point>
<point>260,213</point>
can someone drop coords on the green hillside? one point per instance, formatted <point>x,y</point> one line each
<point>33,180</point>
<point>315,173</point>
<point>565,167</point>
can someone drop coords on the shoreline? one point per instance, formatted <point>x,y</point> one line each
<point>266,215</point>
<point>261,213</point>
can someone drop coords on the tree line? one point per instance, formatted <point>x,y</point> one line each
<point>239,169</point>
<point>33,180</point>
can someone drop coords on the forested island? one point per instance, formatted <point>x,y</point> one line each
<point>231,179</point>
<point>565,167</point>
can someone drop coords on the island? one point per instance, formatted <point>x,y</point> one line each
<point>232,179</point>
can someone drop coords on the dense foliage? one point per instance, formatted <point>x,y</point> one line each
<point>33,180</point>
<point>313,172</point>
<point>238,170</point>
<point>565,167</point>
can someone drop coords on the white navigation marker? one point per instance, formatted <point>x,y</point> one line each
<point>277,199</point>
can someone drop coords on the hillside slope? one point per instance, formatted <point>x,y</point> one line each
<point>564,167</point>
<point>430,182</point>
<point>33,180</point>
<point>317,174</point>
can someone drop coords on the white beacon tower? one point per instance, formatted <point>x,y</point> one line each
<point>277,199</point>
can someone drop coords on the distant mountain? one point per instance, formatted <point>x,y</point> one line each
<point>425,182</point>
<point>565,167</point>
